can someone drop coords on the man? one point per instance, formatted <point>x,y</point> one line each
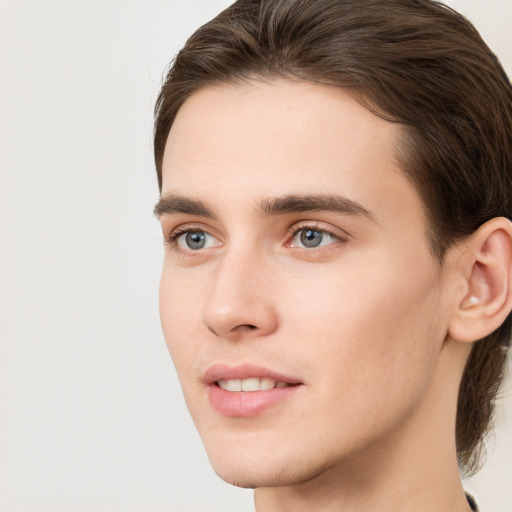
<point>336,184</point>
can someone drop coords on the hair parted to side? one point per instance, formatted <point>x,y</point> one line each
<point>415,62</point>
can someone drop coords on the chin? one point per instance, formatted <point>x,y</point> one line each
<point>268,476</point>
<point>268,468</point>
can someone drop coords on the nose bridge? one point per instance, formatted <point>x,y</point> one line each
<point>239,299</point>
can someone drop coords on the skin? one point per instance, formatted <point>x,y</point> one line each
<point>361,320</point>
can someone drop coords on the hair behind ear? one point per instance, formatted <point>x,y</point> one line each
<point>477,393</point>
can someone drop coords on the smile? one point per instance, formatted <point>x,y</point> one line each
<point>246,391</point>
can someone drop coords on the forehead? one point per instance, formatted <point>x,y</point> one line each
<point>242,143</point>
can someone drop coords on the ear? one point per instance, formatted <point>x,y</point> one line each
<point>487,269</point>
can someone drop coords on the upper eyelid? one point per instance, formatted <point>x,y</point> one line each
<point>175,231</point>
<point>319,226</point>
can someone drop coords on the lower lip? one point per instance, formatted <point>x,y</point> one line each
<point>245,404</point>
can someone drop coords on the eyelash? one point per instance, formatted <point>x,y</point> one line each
<point>297,228</point>
<point>176,233</point>
<point>291,233</point>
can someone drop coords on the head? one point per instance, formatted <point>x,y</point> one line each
<point>438,97</point>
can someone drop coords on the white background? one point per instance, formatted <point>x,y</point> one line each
<point>91,413</point>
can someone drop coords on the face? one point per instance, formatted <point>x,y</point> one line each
<point>299,299</point>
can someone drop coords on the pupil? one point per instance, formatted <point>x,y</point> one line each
<point>311,238</point>
<point>196,239</point>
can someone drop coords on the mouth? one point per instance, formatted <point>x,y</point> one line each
<point>246,390</point>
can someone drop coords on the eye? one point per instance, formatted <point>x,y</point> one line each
<point>310,238</point>
<point>194,240</point>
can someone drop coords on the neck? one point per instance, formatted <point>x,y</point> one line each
<point>413,468</point>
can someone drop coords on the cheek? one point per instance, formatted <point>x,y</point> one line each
<point>179,297</point>
<point>370,331</point>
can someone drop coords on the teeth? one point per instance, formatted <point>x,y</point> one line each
<point>267,383</point>
<point>252,384</point>
<point>234,385</point>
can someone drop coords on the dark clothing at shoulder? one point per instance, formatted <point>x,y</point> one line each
<point>472,502</point>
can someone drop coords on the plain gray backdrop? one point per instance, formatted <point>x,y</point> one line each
<point>91,413</point>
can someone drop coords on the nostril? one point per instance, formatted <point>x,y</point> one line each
<point>238,328</point>
<point>244,327</point>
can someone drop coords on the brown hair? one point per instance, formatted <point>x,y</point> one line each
<point>415,62</point>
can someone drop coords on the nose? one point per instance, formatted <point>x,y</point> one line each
<point>241,301</point>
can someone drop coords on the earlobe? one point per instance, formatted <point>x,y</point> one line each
<point>488,272</point>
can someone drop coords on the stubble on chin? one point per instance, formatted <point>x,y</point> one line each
<point>282,474</point>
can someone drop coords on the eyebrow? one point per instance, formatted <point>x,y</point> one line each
<point>172,203</point>
<point>311,203</point>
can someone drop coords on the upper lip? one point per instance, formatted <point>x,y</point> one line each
<point>244,371</point>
